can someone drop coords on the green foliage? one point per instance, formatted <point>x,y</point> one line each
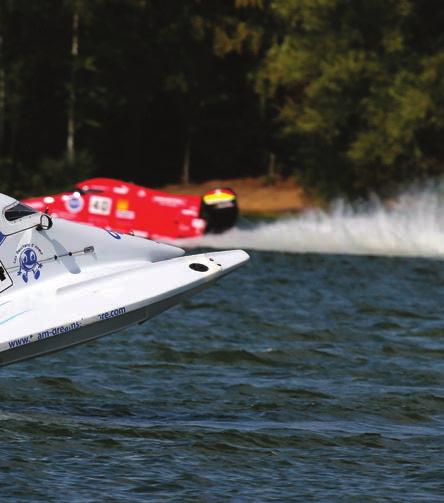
<point>346,94</point>
<point>7,179</point>
<point>54,175</point>
<point>350,81</point>
<point>51,176</point>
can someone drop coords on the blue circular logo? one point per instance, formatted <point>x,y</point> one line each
<point>75,203</point>
<point>29,264</point>
<point>28,259</point>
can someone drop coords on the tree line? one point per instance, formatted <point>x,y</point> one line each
<point>348,97</point>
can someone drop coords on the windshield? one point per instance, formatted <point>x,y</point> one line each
<point>20,210</point>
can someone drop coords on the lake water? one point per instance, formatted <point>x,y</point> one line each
<point>301,377</point>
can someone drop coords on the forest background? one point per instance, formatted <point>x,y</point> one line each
<point>345,96</point>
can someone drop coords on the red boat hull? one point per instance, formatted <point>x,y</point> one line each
<point>133,209</point>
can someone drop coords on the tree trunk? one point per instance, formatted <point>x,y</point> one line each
<point>71,134</point>
<point>186,164</point>
<point>272,166</point>
<point>2,97</point>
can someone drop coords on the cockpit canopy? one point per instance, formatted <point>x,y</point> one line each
<point>17,211</point>
<point>16,216</point>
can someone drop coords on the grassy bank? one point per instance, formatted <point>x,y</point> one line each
<point>256,196</point>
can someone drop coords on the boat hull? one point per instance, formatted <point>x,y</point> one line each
<point>144,212</point>
<point>62,283</point>
<point>93,331</point>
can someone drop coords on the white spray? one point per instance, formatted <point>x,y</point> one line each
<point>410,225</point>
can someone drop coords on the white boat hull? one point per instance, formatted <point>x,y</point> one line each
<point>72,283</point>
<point>90,332</point>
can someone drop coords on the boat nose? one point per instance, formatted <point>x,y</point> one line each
<point>229,260</point>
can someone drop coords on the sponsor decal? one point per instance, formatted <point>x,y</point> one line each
<point>44,335</point>
<point>123,189</point>
<point>172,202</point>
<point>122,204</point>
<point>99,205</point>
<point>126,214</point>
<point>123,211</point>
<point>63,329</point>
<point>112,314</point>
<point>27,258</point>
<point>190,212</point>
<point>58,330</point>
<point>74,203</point>
<point>114,234</point>
<point>19,342</point>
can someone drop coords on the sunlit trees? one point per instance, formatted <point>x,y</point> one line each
<point>346,95</point>
<point>358,90</point>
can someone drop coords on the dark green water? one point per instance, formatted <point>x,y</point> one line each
<point>298,378</point>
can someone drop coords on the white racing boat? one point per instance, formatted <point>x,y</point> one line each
<point>63,283</point>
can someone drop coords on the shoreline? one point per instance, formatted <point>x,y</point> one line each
<point>256,196</point>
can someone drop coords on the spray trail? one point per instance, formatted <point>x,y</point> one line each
<point>413,225</point>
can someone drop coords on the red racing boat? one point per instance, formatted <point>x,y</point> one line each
<point>133,209</point>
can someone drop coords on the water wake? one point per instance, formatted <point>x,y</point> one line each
<point>410,225</point>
